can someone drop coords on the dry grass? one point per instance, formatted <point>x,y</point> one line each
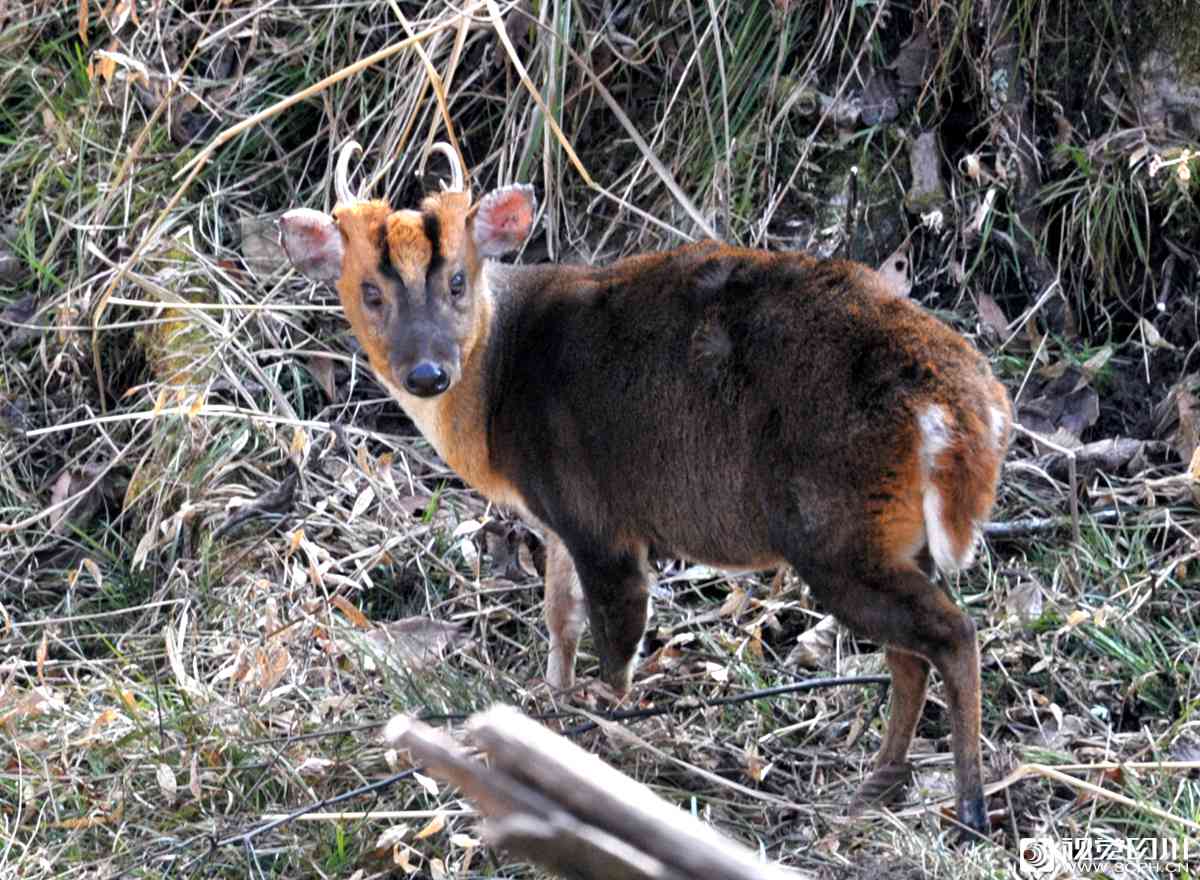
<point>209,512</point>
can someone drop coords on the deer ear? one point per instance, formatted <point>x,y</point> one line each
<point>502,219</point>
<point>313,243</point>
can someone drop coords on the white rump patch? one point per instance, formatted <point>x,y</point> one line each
<point>935,435</point>
<point>935,438</point>
<point>999,426</point>
<point>940,546</point>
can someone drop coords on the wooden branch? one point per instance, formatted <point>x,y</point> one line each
<point>1023,528</point>
<point>1107,456</point>
<point>554,804</point>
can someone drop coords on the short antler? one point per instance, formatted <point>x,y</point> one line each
<point>341,188</point>
<point>456,172</point>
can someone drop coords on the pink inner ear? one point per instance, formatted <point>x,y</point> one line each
<point>503,220</point>
<point>312,242</point>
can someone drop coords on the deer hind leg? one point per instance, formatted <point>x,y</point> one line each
<point>904,610</point>
<point>893,772</point>
<point>565,612</point>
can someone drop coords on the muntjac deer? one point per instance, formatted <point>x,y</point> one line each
<point>736,407</point>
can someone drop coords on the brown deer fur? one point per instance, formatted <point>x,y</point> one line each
<point>737,407</point>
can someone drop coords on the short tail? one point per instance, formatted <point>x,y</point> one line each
<point>961,453</point>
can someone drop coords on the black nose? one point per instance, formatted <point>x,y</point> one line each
<point>427,379</point>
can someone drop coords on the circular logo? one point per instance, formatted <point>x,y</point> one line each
<point>1037,857</point>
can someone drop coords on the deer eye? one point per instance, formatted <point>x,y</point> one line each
<point>458,282</point>
<point>372,296</point>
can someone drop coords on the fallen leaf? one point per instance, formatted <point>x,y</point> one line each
<point>415,641</point>
<point>881,98</point>
<point>756,643</point>
<point>1059,730</point>
<point>400,859</point>
<point>982,212</point>
<point>1097,362</point>
<point>35,703</point>
<point>466,528</point>
<point>316,567</point>
<point>314,766</point>
<point>756,768</point>
<point>1076,617</point>
<point>436,824</point>
<point>1177,417</point>
<point>668,656</point>
<point>914,60</point>
<point>507,545</point>
<point>43,652</point>
<point>261,251</point>
<point>110,59</point>
<point>120,14</point>
<point>166,782</point>
<point>735,603</point>
<point>272,664</point>
<point>470,554</point>
<point>361,503</point>
<point>1151,336</point>
<point>129,701</point>
<point>356,617</point>
<point>390,837</point>
<point>81,493</point>
<point>1036,340</point>
<point>93,570</point>
<point>991,315</point>
<point>321,368</point>
<point>1067,402</point>
<point>194,777</point>
<point>971,166</point>
<point>430,785</point>
<point>1185,749</point>
<point>18,312</point>
<point>815,646</point>
<point>1026,601</point>
<point>141,553</point>
<point>105,718</point>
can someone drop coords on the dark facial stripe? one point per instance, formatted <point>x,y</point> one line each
<point>386,269</point>
<point>433,232</point>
